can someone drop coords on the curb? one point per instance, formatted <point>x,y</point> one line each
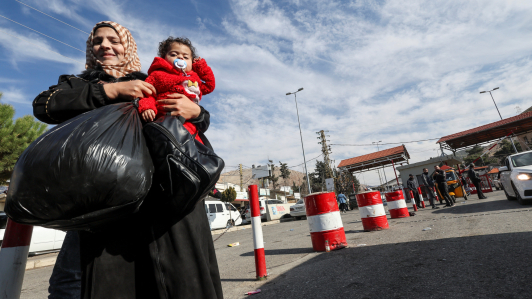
<point>242,227</point>
<point>47,261</point>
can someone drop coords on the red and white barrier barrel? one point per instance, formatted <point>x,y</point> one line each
<point>436,194</point>
<point>324,221</point>
<point>258,241</point>
<point>372,211</point>
<point>13,258</point>
<point>421,197</point>
<point>397,204</point>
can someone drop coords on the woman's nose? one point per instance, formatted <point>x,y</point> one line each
<point>106,44</point>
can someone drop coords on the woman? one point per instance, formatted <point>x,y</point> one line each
<point>157,253</point>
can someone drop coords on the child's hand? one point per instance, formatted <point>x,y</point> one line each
<point>196,59</point>
<point>148,115</point>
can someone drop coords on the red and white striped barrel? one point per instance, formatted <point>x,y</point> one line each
<point>397,204</point>
<point>13,258</point>
<point>258,241</point>
<point>324,221</point>
<point>372,211</point>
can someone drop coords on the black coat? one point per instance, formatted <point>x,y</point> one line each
<point>473,176</point>
<point>427,180</point>
<point>411,184</point>
<point>155,253</point>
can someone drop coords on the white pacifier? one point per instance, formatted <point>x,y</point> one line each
<point>180,64</point>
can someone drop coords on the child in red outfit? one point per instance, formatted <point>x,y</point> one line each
<point>168,79</point>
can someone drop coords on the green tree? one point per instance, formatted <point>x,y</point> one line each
<point>229,194</point>
<point>273,177</point>
<point>15,137</point>
<point>474,153</point>
<point>285,172</point>
<point>317,178</point>
<point>344,183</point>
<point>506,149</point>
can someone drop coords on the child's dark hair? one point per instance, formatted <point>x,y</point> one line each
<point>165,45</point>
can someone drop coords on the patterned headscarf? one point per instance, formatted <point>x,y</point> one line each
<point>129,64</point>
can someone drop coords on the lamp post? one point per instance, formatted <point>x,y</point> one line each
<point>515,149</point>
<point>385,179</point>
<point>301,135</point>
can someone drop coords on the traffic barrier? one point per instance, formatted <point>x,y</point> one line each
<point>13,258</point>
<point>421,197</point>
<point>413,200</point>
<point>324,221</point>
<point>397,205</point>
<point>258,241</point>
<point>436,194</point>
<point>372,211</point>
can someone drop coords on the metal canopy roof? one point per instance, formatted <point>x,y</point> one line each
<point>518,124</point>
<point>375,160</point>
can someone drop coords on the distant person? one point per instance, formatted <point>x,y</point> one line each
<point>411,184</point>
<point>342,200</point>
<point>429,187</point>
<point>475,179</point>
<point>439,177</point>
<point>465,184</point>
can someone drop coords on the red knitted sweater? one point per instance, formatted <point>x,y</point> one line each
<point>167,80</point>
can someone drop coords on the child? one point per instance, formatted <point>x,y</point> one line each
<point>168,79</point>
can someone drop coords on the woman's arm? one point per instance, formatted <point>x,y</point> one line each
<point>179,104</point>
<point>73,96</point>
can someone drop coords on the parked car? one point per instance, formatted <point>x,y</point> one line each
<point>516,177</point>
<point>263,202</point>
<point>298,210</point>
<point>43,240</point>
<point>221,214</point>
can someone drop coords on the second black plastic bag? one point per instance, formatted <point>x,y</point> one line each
<point>84,173</point>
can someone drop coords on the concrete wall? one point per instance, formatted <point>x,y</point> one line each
<point>277,211</point>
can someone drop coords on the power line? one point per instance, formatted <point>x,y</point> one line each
<point>42,34</point>
<point>402,142</point>
<point>43,47</point>
<point>52,17</point>
<point>306,161</point>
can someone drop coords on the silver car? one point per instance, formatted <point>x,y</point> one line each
<point>298,210</point>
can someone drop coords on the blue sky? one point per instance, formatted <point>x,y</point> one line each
<point>372,70</point>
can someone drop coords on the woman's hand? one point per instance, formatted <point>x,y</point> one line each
<point>179,104</point>
<point>129,90</point>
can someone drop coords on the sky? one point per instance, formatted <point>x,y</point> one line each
<point>390,71</point>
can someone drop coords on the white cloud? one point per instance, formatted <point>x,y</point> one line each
<point>11,95</point>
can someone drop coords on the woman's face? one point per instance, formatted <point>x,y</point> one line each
<point>106,46</point>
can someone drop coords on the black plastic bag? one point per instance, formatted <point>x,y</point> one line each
<point>185,170</point>
<point>84,173</point>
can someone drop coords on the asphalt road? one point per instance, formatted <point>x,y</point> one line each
<point>478,249</point>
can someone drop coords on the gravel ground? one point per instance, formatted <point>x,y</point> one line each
<point>478,249</point>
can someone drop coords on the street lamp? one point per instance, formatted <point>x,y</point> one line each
<point>515,149</point>
<point>301,135</point>
<point>493,99</point>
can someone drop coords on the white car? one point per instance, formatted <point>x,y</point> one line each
<point>516,177</point>
<point>221,214</point>
<point>43,240</point>
<point>298,210</point>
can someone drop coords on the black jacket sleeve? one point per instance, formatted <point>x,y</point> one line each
<point>70,97</point>
<point>73,96</point>
<point>203,121</point>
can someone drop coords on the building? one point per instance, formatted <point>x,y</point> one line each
<point>417,168</point>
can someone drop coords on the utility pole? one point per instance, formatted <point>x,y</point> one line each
<point>326,151</point>
<point>241,179</point>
